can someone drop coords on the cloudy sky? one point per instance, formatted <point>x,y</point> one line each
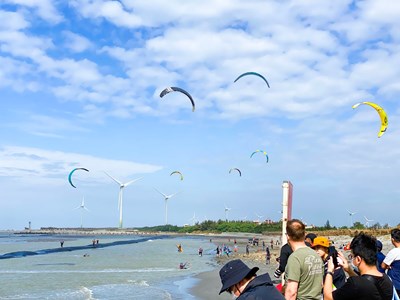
<point>80,83</point>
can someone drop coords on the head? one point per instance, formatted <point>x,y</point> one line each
<point>235,275</point>
<point>295,230</point>
<point>363,248</point>
<point>379,245</point>
<point>310,238</point>
<point>321,246</point>
<point>395,236</point>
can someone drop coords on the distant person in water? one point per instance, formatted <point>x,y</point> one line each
<point>183,265</point>
<point>200,251</point>
<point>62,244</point>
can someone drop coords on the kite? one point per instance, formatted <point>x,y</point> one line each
<point>253,73</point>
<point>382,115</point>
<point>263,152</point>
<point>70,175</point>
<point>240,173</point>
<point>176,89</point>
<point>177,172</point>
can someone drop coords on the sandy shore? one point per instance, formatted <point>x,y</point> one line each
<point>209,284</point>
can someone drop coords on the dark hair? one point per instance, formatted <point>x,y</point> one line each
<point>395,234</point>
<point>364,245</point>
<point>296,230</point>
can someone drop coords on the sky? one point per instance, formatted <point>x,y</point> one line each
<point>80,84</point>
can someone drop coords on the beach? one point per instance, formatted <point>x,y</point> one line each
<point>146,265</point>
<point>208,283</point>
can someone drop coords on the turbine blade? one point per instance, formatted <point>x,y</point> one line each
<point>117,181</point>
<point>165,196</point>
<point>132,181</point>
<point>170,196</point>
<point>86,208</point>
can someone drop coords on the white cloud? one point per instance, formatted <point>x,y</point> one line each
<point>12,21</point>
<point>76,42</point>
<point>44,9</point>
<point>54,166</point>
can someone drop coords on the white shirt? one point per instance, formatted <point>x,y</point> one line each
<point>392,255</point>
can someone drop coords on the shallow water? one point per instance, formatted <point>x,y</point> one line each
<point>143,270</point>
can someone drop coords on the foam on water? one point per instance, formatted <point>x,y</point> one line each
<point>124,271</point>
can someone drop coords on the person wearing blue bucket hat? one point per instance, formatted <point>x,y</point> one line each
<point>243,283</point>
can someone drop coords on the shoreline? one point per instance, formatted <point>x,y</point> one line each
<point>208,284</point>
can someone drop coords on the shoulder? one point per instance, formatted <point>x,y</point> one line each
<point>392,255</point>
<point>261,287</point>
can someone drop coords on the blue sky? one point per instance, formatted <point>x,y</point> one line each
<point>80,83</point>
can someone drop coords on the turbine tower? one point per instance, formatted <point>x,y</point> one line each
<point>226,212</point>
<point>166,198</point>
<point>82,207</point>
<point>351,217</point>
<point>367,221</point>
<point>120,194</point>
<point>260,217</point>
<point>193,219</point>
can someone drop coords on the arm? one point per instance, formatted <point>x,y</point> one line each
<point>328,284</point>
<point>345,265</point>
<point>291,290</point>
<point>385,266</point>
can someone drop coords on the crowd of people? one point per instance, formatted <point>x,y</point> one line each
<point>313,269</point>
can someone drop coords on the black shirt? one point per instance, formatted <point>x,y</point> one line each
<point>365,287</point>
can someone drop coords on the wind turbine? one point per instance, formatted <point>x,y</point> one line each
<point>351,217</point>
<point>166,198</point>
<point>226,212</point>
<point>82,206</point>
<point>120,194</point>
<point>193,219</point>
<point>259,218</point>
<point>367,221</point>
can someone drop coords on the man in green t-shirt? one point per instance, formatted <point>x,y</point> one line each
<point>305,268</point>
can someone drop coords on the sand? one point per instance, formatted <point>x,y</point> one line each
<point>209,284</point>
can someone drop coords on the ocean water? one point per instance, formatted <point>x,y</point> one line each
<point>146,269</point>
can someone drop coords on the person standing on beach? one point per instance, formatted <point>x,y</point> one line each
<point>310,238</point>
<point>283,258</point>
<point>380,256</point>
<point>321,246</point>
<point>243,283</point>
<point>304,269</point>
<point>267,256</point>
<point>370,285</point>
<point>247,249</point>
<point>392,260</point>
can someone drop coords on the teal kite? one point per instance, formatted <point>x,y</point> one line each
<point>262,151</point>
<point>253,73</point>
<point>72,172</point>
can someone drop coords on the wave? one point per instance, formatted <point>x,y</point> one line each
<point>149,270</point>
<point>18,254</point>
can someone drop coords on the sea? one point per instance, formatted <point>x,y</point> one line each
<point>34,266</point>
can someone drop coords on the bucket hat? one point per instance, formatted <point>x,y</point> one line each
<point>233,272</point>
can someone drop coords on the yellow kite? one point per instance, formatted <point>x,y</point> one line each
<point>382,115</point>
